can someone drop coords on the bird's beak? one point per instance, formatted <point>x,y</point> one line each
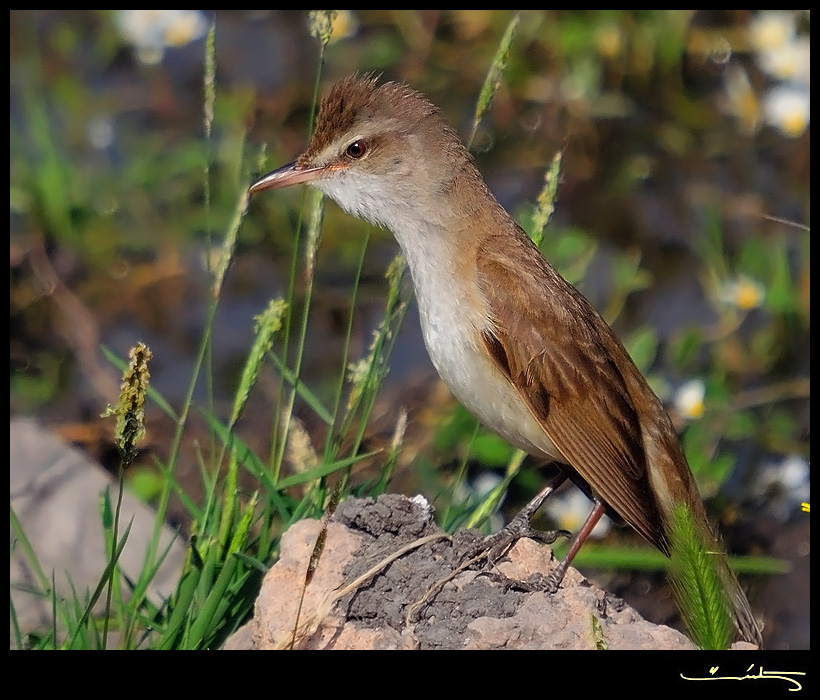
<point>287,175</point>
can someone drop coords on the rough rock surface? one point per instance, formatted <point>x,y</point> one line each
<point>402,607</point>
<point>54,491</point>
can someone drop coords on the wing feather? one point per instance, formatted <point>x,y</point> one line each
<point>569,368</point>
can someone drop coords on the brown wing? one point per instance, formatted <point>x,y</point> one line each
<point>569,368</point>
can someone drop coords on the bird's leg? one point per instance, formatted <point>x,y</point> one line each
<point>495,545</point>
<point>557,575</point>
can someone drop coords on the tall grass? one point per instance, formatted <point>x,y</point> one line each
<point>234,536</point>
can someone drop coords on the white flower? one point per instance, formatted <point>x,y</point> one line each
<point>100,132</point>
<point>743,292</point>
<point>771,29</point>
<point>151,31</point>
<point>785,484</point>
<point>688,399</point>
<point>790,62</point>
<point>788,109</point>
<point>571,508</point>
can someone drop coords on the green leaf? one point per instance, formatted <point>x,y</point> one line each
<point>643,347</point>
<point>302,390</point>
<point>182,601</point>
<point>741,425</point>
<point>145,483</point>
<point>628,274</point>
<point>685,347</point>
<point>491,450</point>
<point>457,429</point>
<point>783,423</point>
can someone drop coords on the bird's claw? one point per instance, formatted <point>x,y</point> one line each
<point>494,547</point>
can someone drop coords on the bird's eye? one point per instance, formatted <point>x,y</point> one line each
<point>357,149</point>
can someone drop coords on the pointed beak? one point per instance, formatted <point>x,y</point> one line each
<point>287,175</point>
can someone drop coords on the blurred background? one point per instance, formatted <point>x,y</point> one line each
<point>682,213</point>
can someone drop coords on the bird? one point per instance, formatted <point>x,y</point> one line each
<point>517,345</point>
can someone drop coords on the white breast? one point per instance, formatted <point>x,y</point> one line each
<point>452,321</point>
<point>452,317</point>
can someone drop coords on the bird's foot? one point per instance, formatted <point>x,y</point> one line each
<point>539,583</point>
<point>492,548</point>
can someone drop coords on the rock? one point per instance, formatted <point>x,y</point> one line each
<point>55,493</point>
<point>409,603</point>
